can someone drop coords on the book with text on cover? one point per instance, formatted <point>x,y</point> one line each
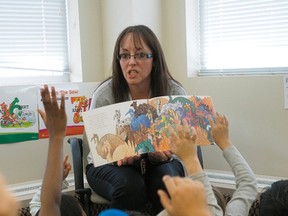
<point>140,126</point>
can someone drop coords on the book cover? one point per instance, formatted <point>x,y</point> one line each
<point>140,126</point>
<point>77,101</point>
<point>18,115</point>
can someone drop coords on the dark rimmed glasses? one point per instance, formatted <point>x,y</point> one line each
<point>137,56</point>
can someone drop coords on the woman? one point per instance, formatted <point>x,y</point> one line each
<point>139,71</point>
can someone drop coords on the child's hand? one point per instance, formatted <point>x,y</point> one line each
<point>8,205</point>
<point>66,167</point>
<point>54,117</point>
<point>220,130</point>
<point>186,197</point>
<point>183,141</point>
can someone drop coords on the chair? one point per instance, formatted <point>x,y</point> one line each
<point>86,195</point>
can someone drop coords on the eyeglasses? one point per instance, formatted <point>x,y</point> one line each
<point>138,56</point>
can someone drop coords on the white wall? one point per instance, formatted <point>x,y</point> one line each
<point>253,104</point>
<point>117,15</point>
<point>25,161</point>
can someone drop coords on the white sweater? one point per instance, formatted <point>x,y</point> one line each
<point>246,186</point>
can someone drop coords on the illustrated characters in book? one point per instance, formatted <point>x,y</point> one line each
<point>172,111</point>
<point>112,147</point>
<point>144,126</point>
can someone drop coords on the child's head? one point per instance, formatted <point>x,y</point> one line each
<point>69,206</point>
<point>118,212</point>
<point>274,200</point>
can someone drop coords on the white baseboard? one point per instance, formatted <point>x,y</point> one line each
<point>24,192</point>
<point>227,180</point>
<point>224,180</point>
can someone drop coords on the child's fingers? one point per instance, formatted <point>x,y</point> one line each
<point>211,122</point>
<point>172,139</point>
<point>187,131</point>
<point>172,134</point>
<point>172,146</point>
<point>180,131</point>
<point>53,95</point>
<point>169,183</point>
<point>43,115</point>
<point>194,135</point>
<point>45,95</point>
<point>62,104</point>
<point>66,158</point>
<point>66,163</point>
<point>184,122</point>
<point>165,200</point>
<point>217,118</point>
<point>225,120</point>
<point>67,167</point>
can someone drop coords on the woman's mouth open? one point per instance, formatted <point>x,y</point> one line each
<point>132,74</point>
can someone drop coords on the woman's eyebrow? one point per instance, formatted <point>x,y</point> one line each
<point>122,49</point>
<point>137,49</point>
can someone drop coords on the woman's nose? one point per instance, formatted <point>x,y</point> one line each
<point>132,60</point>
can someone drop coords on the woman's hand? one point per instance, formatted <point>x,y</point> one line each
<point>154,157</point>
<point>128,160</point>
<point>159,157</point>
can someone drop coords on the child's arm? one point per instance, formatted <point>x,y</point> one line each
<point>183,144</point>
<point>246,185</point>
<point>55,120</point>
<point>35,203</point>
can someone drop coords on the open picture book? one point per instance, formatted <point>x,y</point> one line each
<point>140,126</point>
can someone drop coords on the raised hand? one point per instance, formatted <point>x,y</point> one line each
<point>220,130</point>
<point>186,197</point>
<point>183,144</point>
<point>54,117</point>
<point>55,120</point>
<point>183,141</point>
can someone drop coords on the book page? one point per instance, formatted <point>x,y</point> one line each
<point>136,127</point>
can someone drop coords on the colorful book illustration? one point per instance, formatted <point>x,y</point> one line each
<point>136,127</point>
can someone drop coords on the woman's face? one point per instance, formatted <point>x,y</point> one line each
<point>135,71</point>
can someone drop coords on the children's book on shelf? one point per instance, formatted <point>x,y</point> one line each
<point>140,126</point>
